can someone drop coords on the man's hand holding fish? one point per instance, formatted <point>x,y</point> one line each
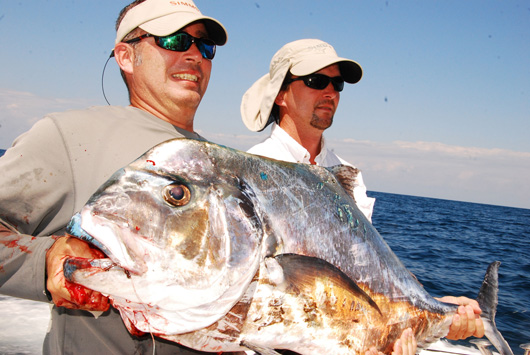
<point>63,292</point>
<point>467,321</point>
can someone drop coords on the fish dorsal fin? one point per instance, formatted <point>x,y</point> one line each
<point>347,176</point>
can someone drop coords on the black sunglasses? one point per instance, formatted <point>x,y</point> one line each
<point>320,81</point>
<point>181,42</point>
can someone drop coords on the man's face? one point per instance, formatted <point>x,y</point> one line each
<point>307,106</point>
<point>167,81</point>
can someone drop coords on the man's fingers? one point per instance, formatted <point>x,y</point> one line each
<point>471,325</point>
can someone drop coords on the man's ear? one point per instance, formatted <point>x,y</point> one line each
<point>124,55</point>
<point>279,100</point>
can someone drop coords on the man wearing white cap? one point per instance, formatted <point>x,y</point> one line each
<point>164,50</point>
<point>299,96</point>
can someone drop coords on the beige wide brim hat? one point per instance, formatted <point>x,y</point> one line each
<point>164,17</point>
<point>302,57</point>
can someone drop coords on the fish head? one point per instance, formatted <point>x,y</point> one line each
<point>174,223</point>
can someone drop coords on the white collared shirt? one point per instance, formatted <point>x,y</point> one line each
<point>281,146</point>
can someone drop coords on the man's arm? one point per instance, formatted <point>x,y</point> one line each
<point>22,264</point>
<point>27,261</point>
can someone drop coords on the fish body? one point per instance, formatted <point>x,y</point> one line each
<point>221,250</point>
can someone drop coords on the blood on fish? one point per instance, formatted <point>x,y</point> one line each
<point>151,161</point>
<point>82,295</point>
<point>77,292</point>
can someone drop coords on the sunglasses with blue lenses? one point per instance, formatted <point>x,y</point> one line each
<point>181,42</point>
<point>320,81</point>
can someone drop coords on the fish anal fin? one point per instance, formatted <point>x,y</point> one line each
<point>305,274</point>
<point>258,349</point>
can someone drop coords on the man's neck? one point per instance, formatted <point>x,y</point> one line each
<point>180,118</point>
<point>310,139</point>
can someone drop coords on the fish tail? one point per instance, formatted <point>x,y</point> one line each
<point>487,300</point>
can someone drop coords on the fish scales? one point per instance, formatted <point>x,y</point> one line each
<point>225,251</point>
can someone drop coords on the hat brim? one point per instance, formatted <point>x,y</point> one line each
<point>171,23</point>
<point>350,71</point>
<point>258,100</point>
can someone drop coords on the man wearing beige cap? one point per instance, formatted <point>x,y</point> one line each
<point>299,96</point>
<point>164,50</point>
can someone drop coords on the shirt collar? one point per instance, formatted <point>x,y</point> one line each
<point>299,153</point>
<point>321,157</point>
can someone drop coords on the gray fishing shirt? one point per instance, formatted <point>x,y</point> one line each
<point>46,177</point>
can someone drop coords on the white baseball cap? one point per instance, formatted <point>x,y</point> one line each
<point>164,17</point>
<point>302,57</point>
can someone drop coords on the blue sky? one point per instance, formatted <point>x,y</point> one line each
<point>443,109</point>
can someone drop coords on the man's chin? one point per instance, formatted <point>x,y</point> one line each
<point>321,123</point>
<point>190,96</point>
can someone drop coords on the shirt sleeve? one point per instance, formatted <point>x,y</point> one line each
<point>34,187</point>
<point>365,203</point>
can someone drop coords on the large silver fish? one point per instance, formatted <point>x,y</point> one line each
<point>221,250</point>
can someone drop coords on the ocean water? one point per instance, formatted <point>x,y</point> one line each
<point>448,245</point>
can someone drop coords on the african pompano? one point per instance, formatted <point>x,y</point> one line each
<point>220,250</point>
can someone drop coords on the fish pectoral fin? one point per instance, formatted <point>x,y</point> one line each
<point>260,350</point>
<point>306,273</point>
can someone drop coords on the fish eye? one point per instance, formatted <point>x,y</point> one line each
<point>177,194</point>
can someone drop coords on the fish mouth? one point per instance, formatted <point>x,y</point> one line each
<point>74,265</point>
<point>74,229</point>
<point>113,250</point>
